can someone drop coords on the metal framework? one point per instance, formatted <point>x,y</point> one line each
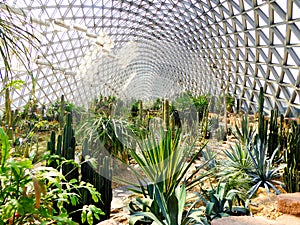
<point>154,48</point>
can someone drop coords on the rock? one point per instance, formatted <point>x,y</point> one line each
<point>244,220</point>
<point>289,203</point>
<point>288,219</point>
<point>108,222</point>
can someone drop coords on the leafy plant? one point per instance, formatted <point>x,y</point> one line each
<point>32,193</point>
<point>162,210</point>
<point>201,103</point>
<point>236,166</point>
<point>246,134</point>
<point>157,105</point>
<point>163,160</point>
<point>17,40</point>
<point>264,173</point>
<point>229,102</point>
<point>238,161</point>
<point>210,157</point>
<point>222,202</point>
<point>98,129</point>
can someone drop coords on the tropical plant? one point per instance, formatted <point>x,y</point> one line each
<point>134,109</point>
<point>100,130</point>
<point>164,159</point>
<point>34,193</point>
<point>157,105</point>
<point>264,173</point>
<point>222,202</point>
<point>161,210</point>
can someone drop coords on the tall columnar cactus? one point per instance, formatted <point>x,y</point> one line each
<point>64,146</point>
<point>166,114</point>
<point>292,158</point>
<point>261,118</point>
<point>268,130</point>
<point>100,177</point>
<point>62,111</point>
<point>68,150</point>
<point>273,135</point>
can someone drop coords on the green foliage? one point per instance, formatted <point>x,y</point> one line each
<point>210,156</point>
<point>103,105</point>
<point>236,167</point>
<point>291,175</point>
<point>15,40</point>
<point>64,148</point>
<point>31,193</point>
<point>222,202</point>
<point>98,128</point>
<point>134,109</point>
<point>163,160</point>
<point>183,101</point>
<point>157,105</point>
<point>264,173</point>
<point>246,134</point>
<point>159,209</point>
<point>201,104</point>
<point>229,102</point>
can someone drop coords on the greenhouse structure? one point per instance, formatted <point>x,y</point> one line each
<point>191,108</point>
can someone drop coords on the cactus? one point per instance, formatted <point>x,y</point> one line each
<point>101,178</point>
<point>273,139</point>
<point>68,150</point>
<point>65,147</point>
<point>62,111</point>
<point>262,128</point>
<point>166,114</point>
<point>51,148</point>
<point>291,174</point>
<point>268,131</point>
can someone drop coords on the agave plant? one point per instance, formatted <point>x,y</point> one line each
<point>246,134</point>
<point>238,159</point>
<point>264,174</point>
<point>222,202</point>
<point>161,210</point>
<point>236,166</point>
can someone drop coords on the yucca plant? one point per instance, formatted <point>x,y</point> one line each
<point>264,173</point>
<point>165,161</point>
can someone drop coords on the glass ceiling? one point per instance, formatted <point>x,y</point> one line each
<point>147,49</point>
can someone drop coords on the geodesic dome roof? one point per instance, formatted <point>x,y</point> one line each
<point>155,48</point>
